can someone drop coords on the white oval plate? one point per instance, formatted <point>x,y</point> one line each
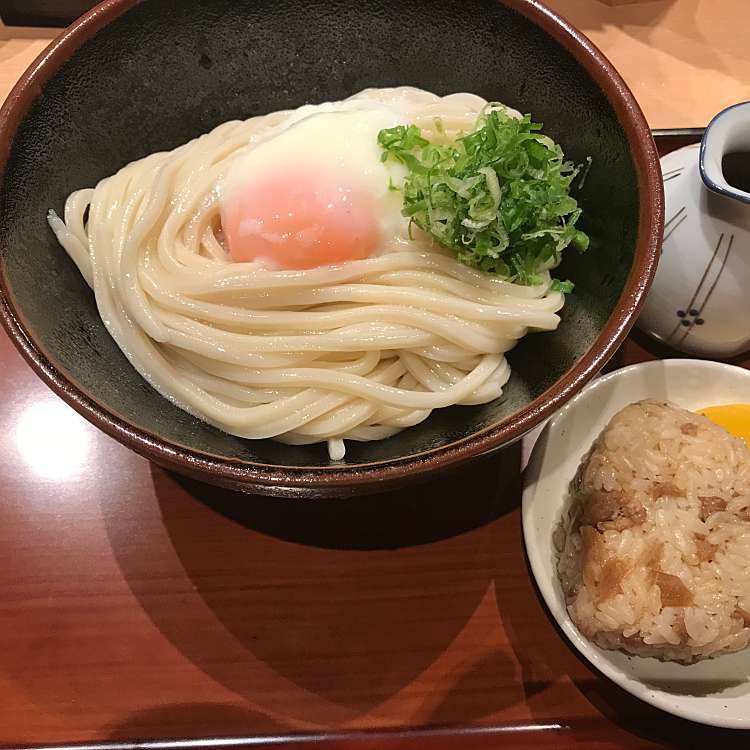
<point>714,691</point>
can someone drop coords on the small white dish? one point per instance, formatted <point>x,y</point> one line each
<point>714,691</point>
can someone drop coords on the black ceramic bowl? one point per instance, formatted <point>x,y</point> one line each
<point>131,78</point>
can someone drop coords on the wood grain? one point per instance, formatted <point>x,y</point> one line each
<point>138,605</point>
<point>685,60</point>
<point>135,605</point>
<point>18,48</point>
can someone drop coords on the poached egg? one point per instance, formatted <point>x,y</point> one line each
<point>315,192</point>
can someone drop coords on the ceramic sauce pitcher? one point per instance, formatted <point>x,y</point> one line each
<point>700,299</point>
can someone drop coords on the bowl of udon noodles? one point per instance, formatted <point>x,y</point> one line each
<point>322,248</point>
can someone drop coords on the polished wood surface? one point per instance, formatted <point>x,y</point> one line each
<point>136,605</point>
<point>685,60</point>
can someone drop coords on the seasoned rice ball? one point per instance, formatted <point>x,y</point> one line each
<point>654,549</point>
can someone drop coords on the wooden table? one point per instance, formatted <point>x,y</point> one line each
<point>135,605</point>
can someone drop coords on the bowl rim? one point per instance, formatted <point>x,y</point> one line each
<point>343,479</point>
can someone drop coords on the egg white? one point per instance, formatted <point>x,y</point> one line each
<point>340,138</point>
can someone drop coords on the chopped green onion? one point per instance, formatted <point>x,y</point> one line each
<point>499,197</point>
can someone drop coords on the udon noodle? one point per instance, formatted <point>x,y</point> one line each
<point>356,351</point>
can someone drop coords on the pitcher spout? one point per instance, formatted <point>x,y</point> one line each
<point>725,153</point>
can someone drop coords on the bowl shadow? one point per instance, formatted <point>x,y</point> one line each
<point>316,612</point>
<point>415,515</point>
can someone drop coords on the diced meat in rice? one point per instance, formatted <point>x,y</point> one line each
<point>654,548</point>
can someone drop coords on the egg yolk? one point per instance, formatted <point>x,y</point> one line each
<point>734,418</point>
<point>299,219</point>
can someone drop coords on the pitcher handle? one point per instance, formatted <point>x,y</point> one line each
<point>729,131</point>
